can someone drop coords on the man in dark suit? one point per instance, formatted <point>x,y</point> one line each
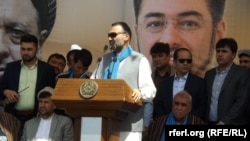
<point>226,87</point>
<point>182,80</point>
<point>23,79</point>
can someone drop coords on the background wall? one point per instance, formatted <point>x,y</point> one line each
<point>86,22</point>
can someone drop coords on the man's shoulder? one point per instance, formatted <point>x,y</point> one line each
<point>62,117</point>
<point>212,70</point>
<point>32,121</point>
<point>44,64</point>
<point>196,77</point>
<point>137,53</point>
<point>64,75</point>
<point>239,68</point>
<point>14,63</point>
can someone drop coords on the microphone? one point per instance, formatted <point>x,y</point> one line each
<point>113,47</point>
<point>105,48</point>
<point>114,59</point>
<point>99,59</point>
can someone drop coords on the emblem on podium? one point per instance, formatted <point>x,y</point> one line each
<point>88,89</point>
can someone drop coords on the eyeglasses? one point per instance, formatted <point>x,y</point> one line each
<point>113,34</point>
<point>189,61</point>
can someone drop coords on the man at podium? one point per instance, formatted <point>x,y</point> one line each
<point>124,63</point>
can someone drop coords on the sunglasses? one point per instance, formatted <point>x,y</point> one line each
<point>113,34</point>
<point>189,61</point>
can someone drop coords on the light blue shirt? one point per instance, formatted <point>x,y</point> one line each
<point>217,85</point>
<point>179,83</point>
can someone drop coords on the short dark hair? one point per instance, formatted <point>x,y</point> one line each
<point>175,56</point>
<point>44,94</point>
<point>71,52</point>
<point>160,47</point>
<point>29,38</point>
<point>215,7</point>
<point>84,56</point>
<point>58,56</point>
<point>125,27</point>
<point>229,42</point>
<point>46,10</point>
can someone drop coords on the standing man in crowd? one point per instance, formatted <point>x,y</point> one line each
<point>182,80</point>
<point>17,18</point>
<point>58,61</point>
<point>82,59</point>
<point>24,78</point>
<point>134,68</point>
<point>244,58</point>
<point>161,70</point>
<point>160,54</point>
<point>192,24</point>
<point>48,126</point>
<point>226,86</point>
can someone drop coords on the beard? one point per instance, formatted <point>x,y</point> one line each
<point>27,58</point>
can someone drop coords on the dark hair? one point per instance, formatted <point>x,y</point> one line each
<point>227,42</point>
<point>46,10</point>
<point>28,38</point>
<point>71,52</point>
<point>44,94</point>
<point>175,56</point>
<point>125,27</point>
<point>160,48</point>
<point>215,7</point>
<point>84,56</point>
<point>58,56</point>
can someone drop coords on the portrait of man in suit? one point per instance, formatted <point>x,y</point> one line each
<point>192,24</point>
<point>18,18</point>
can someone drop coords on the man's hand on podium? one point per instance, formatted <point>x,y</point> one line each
<point>136,95</point>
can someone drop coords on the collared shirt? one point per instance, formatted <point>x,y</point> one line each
<point>158,79</point>
<point>28,78</point>
<point>179,83</point>
<point>217,84</point>
<point>43,130</point>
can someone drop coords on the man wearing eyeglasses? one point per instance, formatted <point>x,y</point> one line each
<point>182,80</point>
<point>193,24</point>
<point>134,68</point>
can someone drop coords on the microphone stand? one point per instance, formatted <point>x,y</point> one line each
<point>105,48</point>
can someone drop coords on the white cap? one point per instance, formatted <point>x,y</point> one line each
<point>75,46</point>
<point>45,89</point>
<point>244,52</point>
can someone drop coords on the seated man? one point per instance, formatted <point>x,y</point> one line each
<point>180,115</point>
<point>48,126</point>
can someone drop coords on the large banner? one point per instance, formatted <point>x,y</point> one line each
<point>189,23</point>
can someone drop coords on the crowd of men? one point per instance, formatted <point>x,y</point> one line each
<point>179,87</point>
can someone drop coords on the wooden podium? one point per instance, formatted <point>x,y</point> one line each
<point>112,102</point>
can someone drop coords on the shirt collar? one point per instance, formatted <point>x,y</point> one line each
<point>32,67</point>
<point>183,77</point>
